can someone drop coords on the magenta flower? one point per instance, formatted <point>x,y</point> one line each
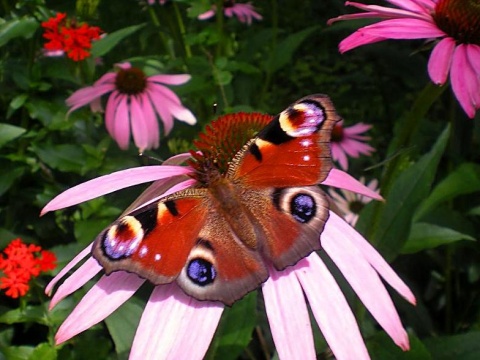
<point>245,13</point>
<point>455,23</point>
<point>188,325</point>
<point>350,203</point>
<point>134,103</point>
<point>349,141</point>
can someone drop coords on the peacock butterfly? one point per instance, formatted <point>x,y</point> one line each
<point>255,204</point>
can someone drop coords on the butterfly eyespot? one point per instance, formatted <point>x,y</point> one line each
<point>122,239</point>
<point>303,207</point>
<point>302,119</point>
<point>201,272</point>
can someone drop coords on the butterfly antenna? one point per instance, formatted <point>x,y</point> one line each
<point>150,158</point>
<point>214,108</point>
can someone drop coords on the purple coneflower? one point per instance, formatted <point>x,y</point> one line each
<point>188,325</point>
<point>456,23</point>
<point>135,103</point>
<point>349,141</point>
<point>350,203</point>
<point>245,13</point>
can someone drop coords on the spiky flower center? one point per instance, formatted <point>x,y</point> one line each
<point>130,81</point>
<point>337,133</point>
<point>460,19</point>
<point>221,141</point>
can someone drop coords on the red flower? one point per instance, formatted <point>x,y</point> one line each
<point>19,263</point>
<point>66,35</point>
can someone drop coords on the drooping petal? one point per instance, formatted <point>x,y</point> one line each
<point>80,256</point>
<point>288,315</point>
<point>357,39</point>
<point>174,326</point>
<point>140,130</point>
<point>403,29</point>
<point>383,11</point>
<point>121,122</point>
<point>86,95</point>
<point>112,182</point>
<point>339,155</point>
<point>459,81</point>
<point>162,111</point>
<point>440,60</point>
<point>340,179</point>
<point>101,300</point>
<point>206,15</point>
<point>112,105</point>
<point>84,273</point>
<point>351,236</point>
<point>364,281</point>
<point>177,79</point>
<point>172,103</point>
<point>356,129</point>
<point>331,310</point>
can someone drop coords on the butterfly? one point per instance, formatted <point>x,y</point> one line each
<point>256,204</point>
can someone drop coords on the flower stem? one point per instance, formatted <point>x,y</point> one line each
<point>181,26</point>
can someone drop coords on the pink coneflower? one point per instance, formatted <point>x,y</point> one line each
<point>188,325</point>
<point>134,103</point>
<point>456,23</point>
<point>349,141</point>
<point>351,203</point>
<point>245,13</point>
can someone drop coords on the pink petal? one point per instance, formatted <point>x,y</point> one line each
<point>354,148</point>
<point>101,300</point>
<point>172,103</point>
<point>140,130</point>
<point>108,78</point>
<point>440,60</point>
<point>339,155</point>
<point>356,129</point>
<point>351,236</point>
<point>121,122</point>
<point>86,95</point>
<point>170,79</point>
<point>459,76</point>
<point>112,105</point>
<point>331,310</point>
<point>175,326</point>
<point>413,5</point>
<point>288,315</point>
<point>403,29</point>
<point>342,180</point>
<point>206,15</point>
<point>112,182</point>
<point>151,122</point>
<point>357,39</point>
<point>156,100</point>
<point>364,281</point>
<point>84,273</point>
<point>67,268</point>
<point>382,11</point>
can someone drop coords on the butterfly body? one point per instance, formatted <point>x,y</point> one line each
<point>256,205</point>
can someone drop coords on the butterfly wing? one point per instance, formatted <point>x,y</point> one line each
<point>293,150</point>
<point>183,238</point>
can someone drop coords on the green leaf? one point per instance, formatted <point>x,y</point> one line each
<point>37,314</point>
<point>104,45</point>
<point>9,176</point>
<point>408,190</point>
<point>283,52</point>
<point>24,27</point>
<point>427,236</point>
<point>382,347</point>
<point>9,132</point>
<point>43,352</point>
<point>235,329</point>
<point>463,180</point>
<point>123,323</point>
<point>87,230</point>
<point>464,346</point>
<point>16,352</point>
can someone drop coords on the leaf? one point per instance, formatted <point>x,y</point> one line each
<point>427,236</point>
<point>382,347</point>
<point>9,132</point>
<point>43,352</point>
<point>24,27</point>
<point>9,176</point>
<point>235,329</point>
<point>463,180</point>
<point>283,52</point>
<point>107,43</point>
<point>16,352</point>
<point>31,313</point>
<point>123,323</point>
<point>464,346</point>
<point>407,191</point>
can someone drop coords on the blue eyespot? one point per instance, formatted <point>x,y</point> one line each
<point>303,207</point>
<point>201,272</point>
